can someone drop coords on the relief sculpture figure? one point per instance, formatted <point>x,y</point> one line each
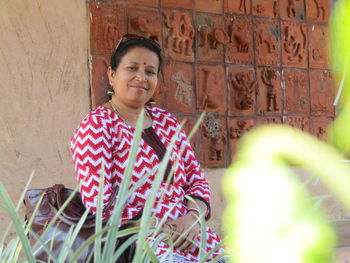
<point>187,32</point>
<point>110,35</point>
<point>181,36</point>
<point>243,6</point>
<point>209,98</point>
<point>184,89</point>
<point>244,88</point>
<point>297,122</point>
<point>269,78</point>
<point>217,139</point>
<point>147,26</point>
<point>216,148</point>
<point>291,8</point>
<point>237,35</point>
<point>211,38</point>
<point>237,132</point>
<point>293,46</point>
<point>268,40</point>
<point>320,10</point>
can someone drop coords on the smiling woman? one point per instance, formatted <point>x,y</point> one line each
<point>134,81</point>
<point>102,143</point>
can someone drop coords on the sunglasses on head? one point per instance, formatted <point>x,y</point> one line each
<point>127,37</point>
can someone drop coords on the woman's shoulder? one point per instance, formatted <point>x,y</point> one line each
<point>100,115</point>
<point>161,115</point>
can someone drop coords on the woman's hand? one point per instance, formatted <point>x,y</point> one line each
<point>184,231</point>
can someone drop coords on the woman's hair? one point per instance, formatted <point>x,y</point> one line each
<point>124,47</point>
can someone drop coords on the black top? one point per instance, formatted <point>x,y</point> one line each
<point>152,139</point>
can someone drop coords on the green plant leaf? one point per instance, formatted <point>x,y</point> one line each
<point>17,223</point>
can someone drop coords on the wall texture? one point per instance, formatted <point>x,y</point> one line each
<point>245,62</point>
<point>44,90</point>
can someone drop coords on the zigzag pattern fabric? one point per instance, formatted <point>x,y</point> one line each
<point>101,146</point>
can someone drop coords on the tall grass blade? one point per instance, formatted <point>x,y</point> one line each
<point>208,254</point>
<point>20,202</point>
<point>73,233</point>
<point>150,200</point>
<point>17,251</point>
<point>31,220</point>
<point>123,247</point>
<point>98,226</point>
<point>115,218</point>
<point>17,223</point>
<point>151,256</point>
<point>196,126</point>
<point>43,245</point>
<point>60,211</point>
<point>319,200</point>
<point>8,253</point>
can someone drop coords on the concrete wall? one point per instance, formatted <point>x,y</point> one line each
<point>44,90</point>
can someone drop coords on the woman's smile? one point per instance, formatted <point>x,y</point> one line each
<point>139,87</point>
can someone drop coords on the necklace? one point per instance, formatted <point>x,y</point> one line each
<point>114,107</point>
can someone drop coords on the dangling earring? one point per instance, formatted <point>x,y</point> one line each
<point>110,92</point>
<point>151,102</point>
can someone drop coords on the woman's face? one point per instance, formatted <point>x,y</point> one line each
<point>136,77</point>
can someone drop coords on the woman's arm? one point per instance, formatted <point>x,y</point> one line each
<point>196,185</point>
<point>91,148</point>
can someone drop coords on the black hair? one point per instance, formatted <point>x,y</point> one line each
<point>124,47</point>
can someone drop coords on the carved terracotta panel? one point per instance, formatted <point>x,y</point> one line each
<point>209,6</point>
<point>269,93</point>
<point>178,33</point>
<point>292,9</point>
<point>294,45</point>
<point>211,89</point>
<point>180,87</point>
<point>211,38</point>
<point>318,46</point>
<point>266,8</point>
<point>296,90</point>
<point>240,46</point>
<point>319,127</point>
<point>107,26</point>
<point>153,3</point>
<point>268,120</point>
<point>189,123</point>
<point>213,138</point>
<point>144,22</point>
<point>242,90</point>
<point>322,93</point>
<point>100,82</point>
<point>236,129</point>
<point>267,41</point>
<point>318,10</point>
<point>298,122</point>
<point>187,4</point>
<point>237,6</point>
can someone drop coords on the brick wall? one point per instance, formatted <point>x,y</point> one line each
<point>245,62</point>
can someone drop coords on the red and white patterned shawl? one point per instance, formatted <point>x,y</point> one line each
<point>104,138</point>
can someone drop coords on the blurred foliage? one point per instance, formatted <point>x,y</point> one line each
<point>340,54</point>
<point>271,216</point>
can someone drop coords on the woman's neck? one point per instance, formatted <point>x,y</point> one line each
<point>129,114</point>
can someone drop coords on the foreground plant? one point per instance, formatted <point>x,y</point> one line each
<point>104,239</point>
<point>271,217</point>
